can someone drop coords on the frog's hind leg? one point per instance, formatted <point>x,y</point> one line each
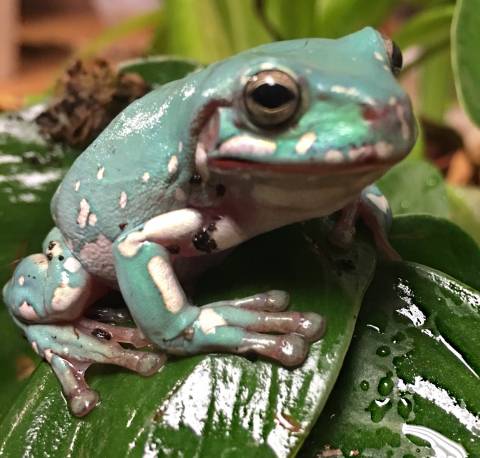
<point>71,349</point>
<point>51,289</point>
<point>373,209</point>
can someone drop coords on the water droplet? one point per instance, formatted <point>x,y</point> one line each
<point>432,181</point>
<point>404,407</point>
<point>385,386</point>
<point>364,385</point>
<point>383,351</point>
<point>378,408</point>
<point>398,337</point>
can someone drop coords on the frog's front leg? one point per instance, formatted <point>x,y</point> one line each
<point>159,306</point>
<point>373,209</point>
<point>47,295</point>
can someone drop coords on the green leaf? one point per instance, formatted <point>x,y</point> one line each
<point>465,209</point>
<point>216,404</point>
<point>427,28</point>
<point>336,18</point>
<point>242,24</point>
<point>30,170</point>
<point>415,186</point>
<point>437,87</point>
<point>158,70</point>
<point>412,368</point>
<point>291,22</point>
<point>439,244</point>
<point>466,65</point>
<point>196,30</point>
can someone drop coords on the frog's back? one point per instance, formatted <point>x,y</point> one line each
<point>130,173</point>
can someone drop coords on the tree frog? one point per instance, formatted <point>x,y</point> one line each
<point>278,134</point>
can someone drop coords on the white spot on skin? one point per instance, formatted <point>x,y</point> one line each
<point>71,265</point>
<point>305,142</point>
<point>405,128</point>
<point>28,312</point>
<point>387,68</point>
<point>244,144</point>
<point>21,280</point>
<point>35,347</point>
<point>77,186</point>
<point>47,354</point>
<point>92,219</point>
<point>146,177</point>
<point>123,199</point>
<point>378,56</point>
<point>131,244</point>
<point>209,320</point>
<point>392,101</point>
<point>64,296</point>
<point>201,161</point>
<point>180,195</point>
<point>345,90</point>
<point>173,165</point>
<point>379,201</point>
<point>383,149</point>
<point>83,213</point>
<point>100,173</point>
<point>162,274</point>
<point>180,147</point>
<point>334,156</point>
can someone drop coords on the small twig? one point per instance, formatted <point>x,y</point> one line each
<point>269,27</point>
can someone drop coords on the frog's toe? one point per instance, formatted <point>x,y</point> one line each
<point>83,402</point>
<point>270,301</point>
<point>150,363</point>
<point>290,350</point>
<point>311,326</point>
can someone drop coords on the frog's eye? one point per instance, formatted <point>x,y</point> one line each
<point>395,56</point>
<point>272,98</point>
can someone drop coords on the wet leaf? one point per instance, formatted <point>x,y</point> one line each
<point>217,404</point>
<point>410,383</point>
<point>30,169</point>
<point>158,70</point>
<point>415,186</point>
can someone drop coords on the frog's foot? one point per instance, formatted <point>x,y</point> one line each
<point>244,325</point>
<point>50,286</point>
<point>71,349</point>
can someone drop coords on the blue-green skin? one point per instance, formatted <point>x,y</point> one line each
<point>127,177</point>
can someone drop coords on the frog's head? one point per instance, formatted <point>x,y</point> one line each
<point>311,107</point>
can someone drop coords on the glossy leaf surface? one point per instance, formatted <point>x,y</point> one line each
<point>205,406</point>
<point>412,371</point>
<point>30,170</point>
<point>158,70</point>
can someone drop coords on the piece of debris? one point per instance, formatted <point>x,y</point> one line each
<point>87,97</point>
<point>24,367</point>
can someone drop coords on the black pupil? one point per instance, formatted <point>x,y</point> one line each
<point>272,95</point>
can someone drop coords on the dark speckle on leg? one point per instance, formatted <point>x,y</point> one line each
<point>102,334</point>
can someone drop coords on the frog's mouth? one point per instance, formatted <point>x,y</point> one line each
<point>363,160</point>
